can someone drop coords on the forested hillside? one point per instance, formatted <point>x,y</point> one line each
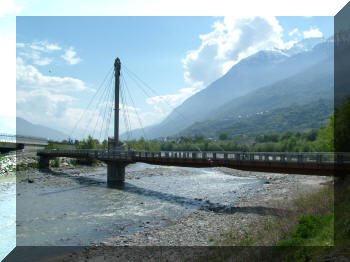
<point>295,118</point>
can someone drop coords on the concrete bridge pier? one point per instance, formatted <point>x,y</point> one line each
<point>115,174</point>
<point>44,162</point>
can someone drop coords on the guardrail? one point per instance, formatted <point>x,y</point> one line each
<point>293,157</point>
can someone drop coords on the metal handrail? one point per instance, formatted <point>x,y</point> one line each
<point>297,157</point>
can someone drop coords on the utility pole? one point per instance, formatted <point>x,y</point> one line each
<point>117,67</point>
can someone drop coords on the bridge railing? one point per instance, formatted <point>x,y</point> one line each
<point>298,157</point>
<point>293,157</point>
<point>7,138</point>
<point>91,153</point>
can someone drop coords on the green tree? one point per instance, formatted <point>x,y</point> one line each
<point>223,136</point>
<point>342,127</point>
<point>325,140</point>
<point>199,138</point>
<point>90,143</point>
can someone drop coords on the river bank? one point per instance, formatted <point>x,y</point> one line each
<point>7,164</point>
<point>205,224</point>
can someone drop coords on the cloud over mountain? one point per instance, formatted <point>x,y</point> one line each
<point>230,41</point>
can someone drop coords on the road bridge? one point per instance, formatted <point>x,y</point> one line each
<point>9,142</point>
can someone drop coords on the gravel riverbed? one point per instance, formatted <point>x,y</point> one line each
<point>201,227</point>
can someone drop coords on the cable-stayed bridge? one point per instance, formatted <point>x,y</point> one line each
<point>117,157</point>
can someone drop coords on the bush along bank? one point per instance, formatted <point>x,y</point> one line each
<point>306,233</point>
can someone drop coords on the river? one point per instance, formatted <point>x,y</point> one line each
<point>75,208</point>
<point>7,214</point>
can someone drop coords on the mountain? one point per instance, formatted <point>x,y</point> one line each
<point>316,82</point>
<point>304,45</point>
<point>264,68</point>
<point>295,118</point>
<point>289,104</point>
<point>23,127</point>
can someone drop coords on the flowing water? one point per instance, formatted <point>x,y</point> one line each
<point>88,211</point>
<point>7,215</point>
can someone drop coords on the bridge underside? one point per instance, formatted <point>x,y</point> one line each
<point>268,167</point>
<point>9,146</point>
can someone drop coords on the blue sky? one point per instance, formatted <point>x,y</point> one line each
<point>176,56</point>
<point>62,60</point>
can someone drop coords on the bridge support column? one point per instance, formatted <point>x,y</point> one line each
<point>44,162</point>
<point>115,174</point>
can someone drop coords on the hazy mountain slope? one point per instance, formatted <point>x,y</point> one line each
<point>23,127</point>
<point>312,84</point>
<point>293,118</point>
<point>261,69</point>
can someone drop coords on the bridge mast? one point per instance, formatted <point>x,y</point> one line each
<point>117,67</point>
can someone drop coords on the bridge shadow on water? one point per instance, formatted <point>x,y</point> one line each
<point>195,203</point>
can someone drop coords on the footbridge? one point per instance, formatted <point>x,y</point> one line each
<point>116,157</point>
<point>323,164</point>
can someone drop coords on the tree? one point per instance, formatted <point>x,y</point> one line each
<point>90,143</point>
<point>223,136</point>
<point>325,140</point>
<point>342,127</point>
<point>312,135</point>
<point>198,138</point>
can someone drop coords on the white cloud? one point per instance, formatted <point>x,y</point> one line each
<point>46,99</point>
<point>20,45</point>
<point>295,31</point>
<point>70,56</point>
<point>9,7</point>
<point>313,32</point>
<point>43,61</point>
<point>231,40</point>
<point>28,77</point>
<point>166,103</point>
<point>35,56</point>
<point>34,51</point>
<point>44,46</point>
<point>8,74</point>
<point>40,104</point>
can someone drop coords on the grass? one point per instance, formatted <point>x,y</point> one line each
<point>55,162</point>
<point>305,233</point>
<point>271,229</point>
<point>317,230</point>
<point>311,230</point>
<point>24,167</point>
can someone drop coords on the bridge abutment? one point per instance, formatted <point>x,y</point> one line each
<point>115,173</point>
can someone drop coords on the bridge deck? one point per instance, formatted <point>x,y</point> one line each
<point>10,140</point>
<point>291,163</point>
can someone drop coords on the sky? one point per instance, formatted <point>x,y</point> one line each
<point>62,60</point>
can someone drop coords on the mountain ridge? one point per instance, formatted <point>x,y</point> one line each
<point>256,71</point>
<point>24,127</point>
